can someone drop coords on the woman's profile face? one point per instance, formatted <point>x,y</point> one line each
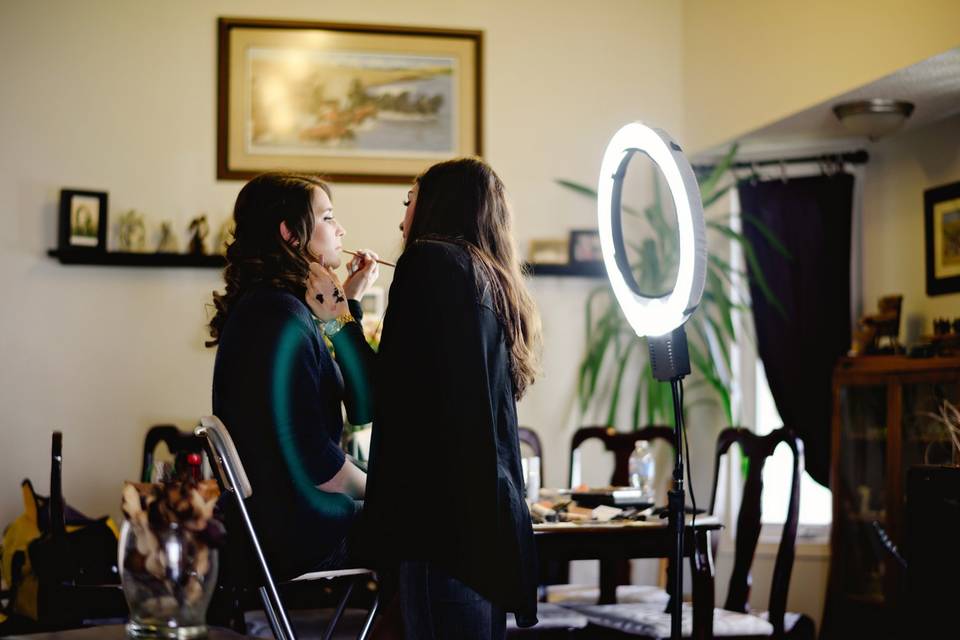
<point>411,204</point>
<point>326,243</point>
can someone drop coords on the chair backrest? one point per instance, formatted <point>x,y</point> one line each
<point>177,441</point>
<point>620,443</point>
<point>530,438</point>
<point>225,456</point>
<point>756,449</point>
<point>234,479</point>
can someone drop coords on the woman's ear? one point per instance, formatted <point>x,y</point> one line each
<point>287,235</point>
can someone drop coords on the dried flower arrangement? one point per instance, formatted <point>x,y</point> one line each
<point>167,565</point>
<point>949,417</point>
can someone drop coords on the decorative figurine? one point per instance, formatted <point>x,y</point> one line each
<point>199,230</point>
<point>884,324</point>
<point>131,232</point>
<point>225,237</point>
<point>168,241</point>
<point>941,326</point>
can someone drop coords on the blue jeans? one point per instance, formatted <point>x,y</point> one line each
<point>436,606</point>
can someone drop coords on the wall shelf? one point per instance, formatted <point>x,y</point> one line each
<point>120,259</point>
<point>594,270</point>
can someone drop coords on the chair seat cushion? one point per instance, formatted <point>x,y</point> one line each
<point>796,625</point>
<point>553,616</point>
<point>589,594</point>
<point>652,621</point>
<point>326,575</point>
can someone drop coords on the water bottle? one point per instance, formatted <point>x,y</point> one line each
<point>642,469</point>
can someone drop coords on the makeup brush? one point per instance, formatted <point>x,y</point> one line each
<point>383,262</point>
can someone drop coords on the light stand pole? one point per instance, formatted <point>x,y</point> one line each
<point>670,362</point>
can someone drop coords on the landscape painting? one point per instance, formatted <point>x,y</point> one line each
<point>305,102</point>
<point>352,102</point>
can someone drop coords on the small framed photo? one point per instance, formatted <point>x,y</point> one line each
<point>83,220</point>
<point>549,251</point>
<point>942,234</point>
<point>585,247</point>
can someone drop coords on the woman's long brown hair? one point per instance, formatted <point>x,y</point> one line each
<point>464,201</point>
<point>259,254</point>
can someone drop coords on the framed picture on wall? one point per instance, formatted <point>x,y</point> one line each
<point>585,247</point>
<point>942,233</point>
<point>356,103</point>
<point>549,251</point>
<point>83,220</point>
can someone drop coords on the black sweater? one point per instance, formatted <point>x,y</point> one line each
<point>279,393</point>
<point>445,482</point>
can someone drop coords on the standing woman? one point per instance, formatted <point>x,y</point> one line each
<point>459,348</point>
<point>275,385</point>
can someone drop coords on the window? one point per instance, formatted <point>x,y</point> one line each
<point>816,507</point>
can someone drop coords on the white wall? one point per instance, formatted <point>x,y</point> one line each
<point>894,258</point>
<point>120,96</point>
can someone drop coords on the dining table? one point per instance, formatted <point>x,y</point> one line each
<point>615,541</point>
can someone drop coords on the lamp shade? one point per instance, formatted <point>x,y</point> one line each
<point>873,119</point>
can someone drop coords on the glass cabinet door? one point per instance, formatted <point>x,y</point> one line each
<point>863,473</point>
<point>925,439</point>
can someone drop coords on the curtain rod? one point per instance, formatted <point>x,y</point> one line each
<point>849,157</point>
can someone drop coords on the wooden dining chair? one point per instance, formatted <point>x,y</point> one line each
<point>621,444</point>
<point>530,438</point>
<point>177,442</point>
<point>554,621</point>
<point>735,620</point>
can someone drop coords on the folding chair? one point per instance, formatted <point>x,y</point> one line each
<point>235,480</point>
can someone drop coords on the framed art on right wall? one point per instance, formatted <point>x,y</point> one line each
<point>941,207</point>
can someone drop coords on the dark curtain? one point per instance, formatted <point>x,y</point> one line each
<point>799,345</point>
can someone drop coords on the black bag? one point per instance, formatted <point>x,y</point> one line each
<point>65,553</point>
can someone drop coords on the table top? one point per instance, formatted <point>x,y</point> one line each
<point>115,632</point>
<point>707,523</point>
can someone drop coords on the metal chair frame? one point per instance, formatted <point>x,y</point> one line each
<point>233,476</point>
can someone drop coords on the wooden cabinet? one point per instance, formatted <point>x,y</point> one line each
<point>881,427</point>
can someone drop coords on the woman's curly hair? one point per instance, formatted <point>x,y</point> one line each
<point>258,253</point>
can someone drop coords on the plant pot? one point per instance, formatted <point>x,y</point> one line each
<point>168,578</point>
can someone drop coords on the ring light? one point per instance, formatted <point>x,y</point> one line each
<point>652,316</point>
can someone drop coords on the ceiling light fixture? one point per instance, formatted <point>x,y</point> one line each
<point>873,118</point>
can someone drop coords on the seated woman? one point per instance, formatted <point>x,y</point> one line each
<point>275,385</point>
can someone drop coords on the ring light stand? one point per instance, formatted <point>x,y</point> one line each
<point>659,318</point>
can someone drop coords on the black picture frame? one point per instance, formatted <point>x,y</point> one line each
<point>941,218</point>
<point>585,247</point>
<point>83,221</point>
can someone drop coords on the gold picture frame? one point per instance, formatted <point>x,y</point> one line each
<point>353,102</point>
<point>552,251</point>
<point>942,238</point>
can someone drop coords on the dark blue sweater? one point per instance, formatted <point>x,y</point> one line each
<point>280,394</point>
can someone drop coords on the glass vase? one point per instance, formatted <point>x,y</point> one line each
<point>168,578</point>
